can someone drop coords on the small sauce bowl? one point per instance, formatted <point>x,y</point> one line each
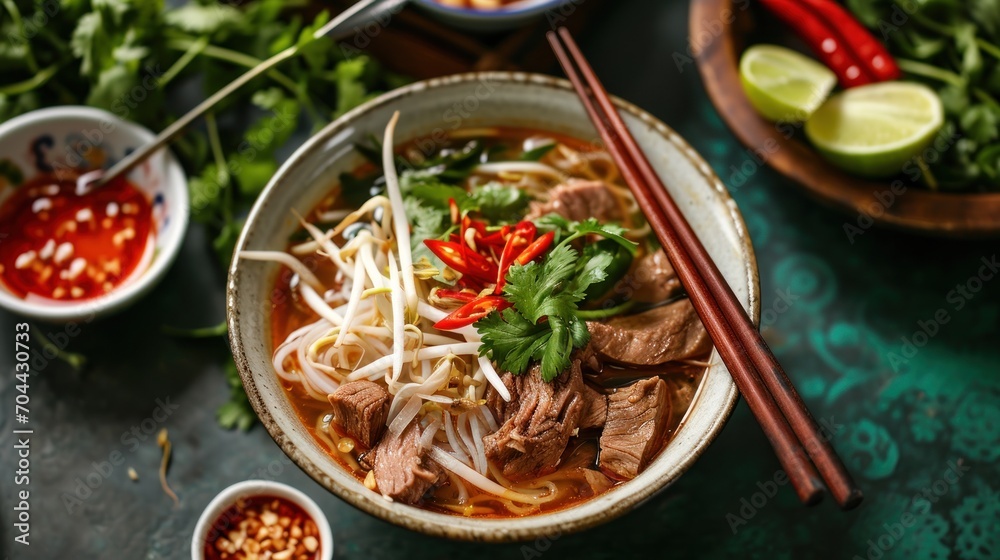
<point>275,507</point>
<point>73,140</point>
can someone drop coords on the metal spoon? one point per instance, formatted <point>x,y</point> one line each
<point>365,11</point>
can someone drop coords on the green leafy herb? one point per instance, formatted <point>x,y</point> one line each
<point>567,231</point>
<point>237,412</point>
<point>542,325</point>
<point>537,153</point>
<point>497,203</point>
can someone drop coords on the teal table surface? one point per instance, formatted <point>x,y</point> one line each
<point>892,340</point>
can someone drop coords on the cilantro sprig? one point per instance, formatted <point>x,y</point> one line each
<point>545,324</point>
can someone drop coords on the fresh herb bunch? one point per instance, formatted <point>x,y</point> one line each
<point>134,57</point>
<point>953,46</point>
<point>545,323</point>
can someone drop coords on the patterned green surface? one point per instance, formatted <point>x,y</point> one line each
<point>919,427</point>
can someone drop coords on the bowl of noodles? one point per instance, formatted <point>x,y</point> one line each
<point>448,310</point>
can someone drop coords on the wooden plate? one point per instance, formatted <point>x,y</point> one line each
<point>718,34</point>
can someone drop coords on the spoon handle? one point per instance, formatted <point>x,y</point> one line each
<point>133,159</point>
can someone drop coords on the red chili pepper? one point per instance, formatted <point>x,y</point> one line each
<point>472,312</point>
<point>520,238</point>
<point>456,214</point>
<point>456,294</point>
<point>497,238</point>
<point>840,40</point>
<point>537,248</point>
<point>463,261</point>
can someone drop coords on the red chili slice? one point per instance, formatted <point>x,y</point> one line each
<point>497,238</point>
<point>456,294</point>
<point>521,238</point>
<point>472,312</point>
<point>536,249</point>
<point>463,261</point>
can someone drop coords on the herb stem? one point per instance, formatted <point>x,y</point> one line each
<point>74,359</point>
<point>929,178</point>
<point>15,16</point>
<point>242,59</point>
<point>222,170</point>
<point>930,71</point>
<point>985,97</point>
<point>190,54</point>
<point>588,314</point>
<point>988,47</point>
<point>201,332</point>
<point>31,83</point>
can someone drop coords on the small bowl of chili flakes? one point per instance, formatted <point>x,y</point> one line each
<point>68,254</point>
<point>262,520</point>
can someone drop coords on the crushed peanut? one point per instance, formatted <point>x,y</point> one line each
<point>265,527</point>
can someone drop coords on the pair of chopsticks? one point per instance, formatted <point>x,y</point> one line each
<point>796,438</point>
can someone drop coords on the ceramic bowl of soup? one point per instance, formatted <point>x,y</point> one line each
<point>491,15</point>
<point>486,165</point>
<point>68,255</point>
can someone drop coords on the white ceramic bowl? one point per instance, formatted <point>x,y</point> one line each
<point>493,20</point>
<point>428,109</point>
<point>249,489</point>
<point>85,138</point>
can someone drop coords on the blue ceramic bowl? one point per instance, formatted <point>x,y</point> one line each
<point>509,17</point>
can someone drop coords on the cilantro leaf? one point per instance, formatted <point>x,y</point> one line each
<point>567,230</point>
<point>511,340</point>
<point>497,203</point>
<point>549,290</point>
<point>536,289</point>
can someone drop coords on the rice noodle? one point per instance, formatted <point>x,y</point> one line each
<point>398,321</point>
<point>401,226</point>
<point>452,464</point>
<point>291,262</point>
<point>399,423</point>
<point>520,167</point>
<point>427,438</point>
<point>375,367</point>
<point>494,378</point>
<point>316,303</point>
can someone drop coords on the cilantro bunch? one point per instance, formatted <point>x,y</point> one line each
<point>545,323</point>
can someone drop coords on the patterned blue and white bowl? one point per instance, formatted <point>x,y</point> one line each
<point>85,138</point>
<point>483,20</point>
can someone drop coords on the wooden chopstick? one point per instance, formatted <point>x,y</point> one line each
<point>789,426</point>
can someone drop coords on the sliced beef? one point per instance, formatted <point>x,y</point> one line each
<point>360,409</point>
<point>537,422</point>
<point>665,333</point>
<point>653,279</point>
<point>595,410</point>
<point>579,200</point>
<point>402,470</point>
<point>637,419</point>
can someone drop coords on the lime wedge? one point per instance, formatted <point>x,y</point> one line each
<point>875,130</point>
<point>782,84</point>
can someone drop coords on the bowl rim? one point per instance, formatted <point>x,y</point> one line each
<point>175,181</point>
<point>910,207</point>
<point>486,531</point>
<point>248,488</point>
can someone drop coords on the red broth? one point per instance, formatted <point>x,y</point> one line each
<point>259,524</point>
<point>61,246</point>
